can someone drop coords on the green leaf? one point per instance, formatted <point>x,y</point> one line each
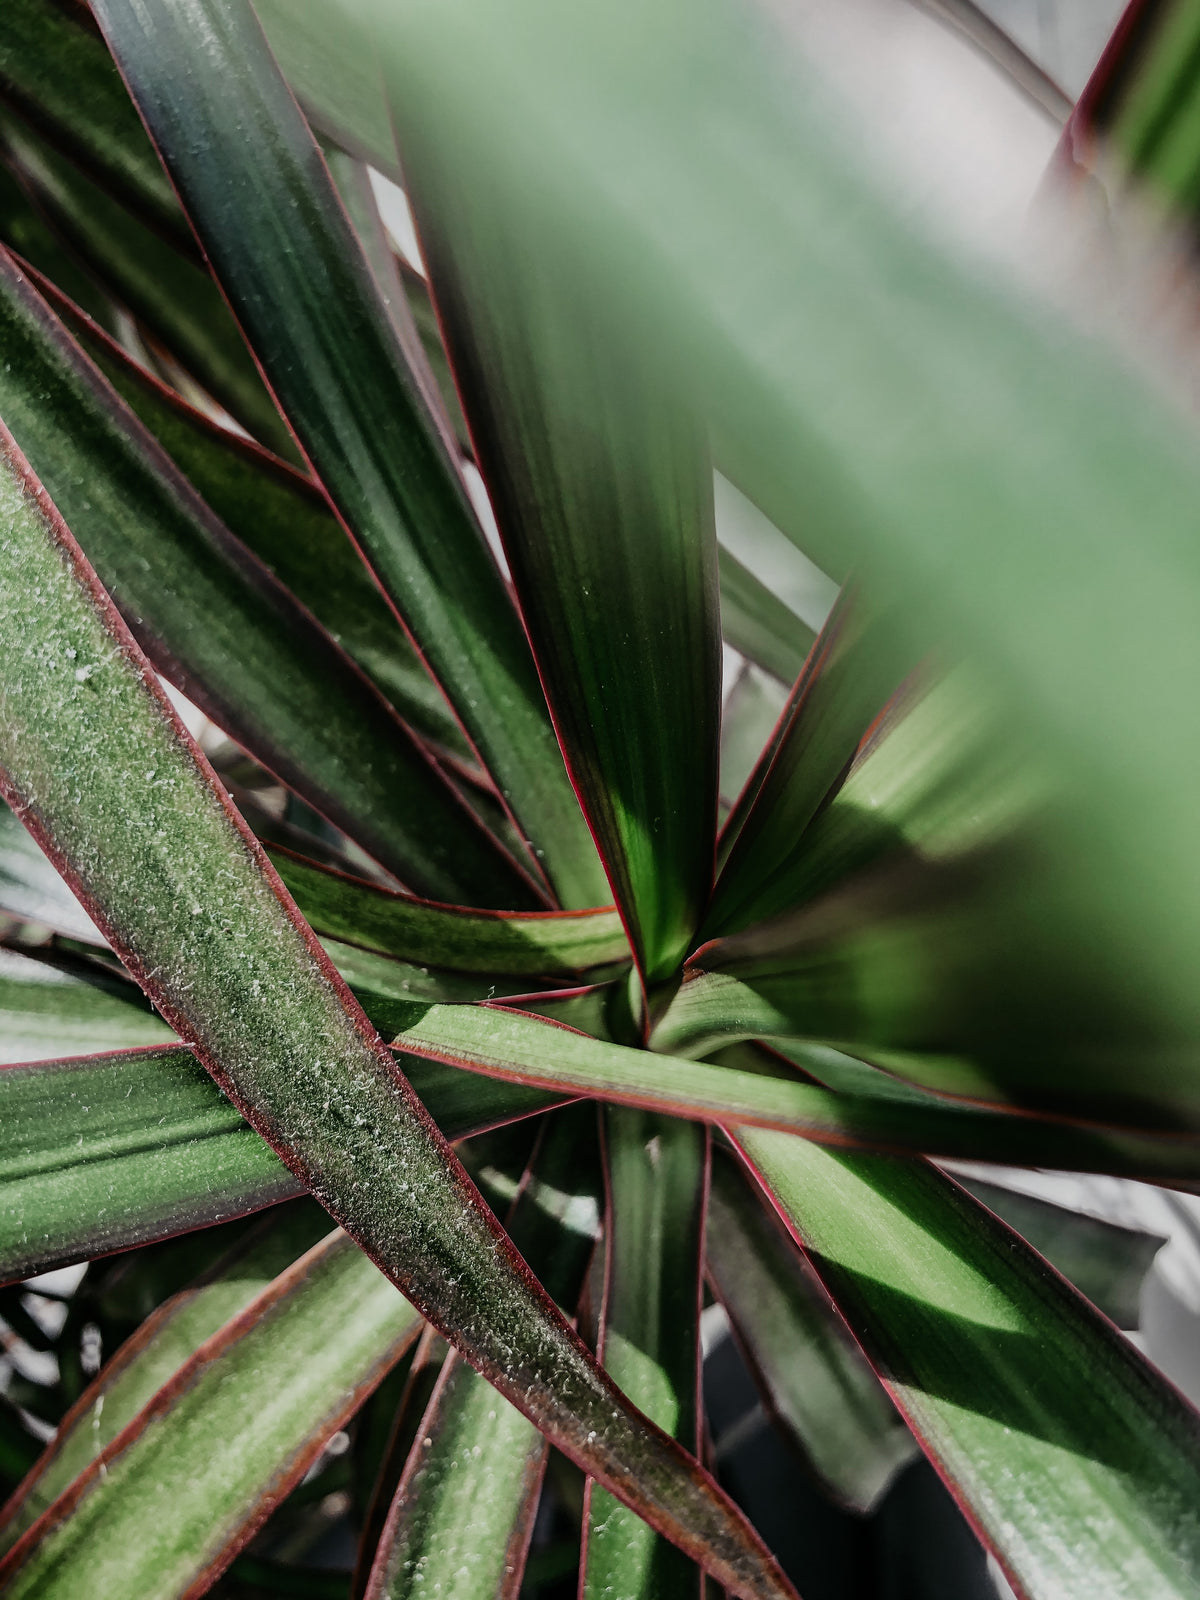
<point>25,230</point>
<point>1018,492</point>
<point>942,773</point>
<point>217,623</point>
<point>113,1151</point>
<point>755,621</point>
<point>1073,1457</point>
<point>1106,1262</point>
<point>463,1514</point>
<point>234,1429</point>
<point>352,179</point>
<point>272,226</point>
<point>171,294</point>
<point>287,522</point>
<point>340,88</point>
<point>816,1382</point>
<point>184,895</point>
<point>650,1331</point>
<point>462,1517</point>
<point>524,1049</point>
<point>55,70</point>
<point>851,671</point>
<point>602,488</point>
<point>549,944</point>
<point>58,1007</point>
<point>152,1356</point>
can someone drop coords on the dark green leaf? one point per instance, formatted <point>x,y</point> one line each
<point>170,293</point>
<point>602,489</point>
<point>551,944</point>
<point>352,179</point>
<point>650,1331</point>
<point>254,185</point>
<point>287,522</point>
<point>1075,1459</point>
<point>216,622</point>
<point>55,69</point>
<point>25,230</point>
<point>815,1380</point>
<point>184,896</point>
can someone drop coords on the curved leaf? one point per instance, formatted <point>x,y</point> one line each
<point>216,622</point>
<point>186,898</point>
<point>222,1443</point>
<point>1076,1461</point>
<point>550,944</point>
<point>258,194</point>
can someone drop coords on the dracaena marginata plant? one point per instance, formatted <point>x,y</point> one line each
<point>476,927</point>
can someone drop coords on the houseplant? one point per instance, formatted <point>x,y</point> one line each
<point>955,893</point>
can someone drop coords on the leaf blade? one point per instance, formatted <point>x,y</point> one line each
<point>276,1027</point>
<point>336,367</point>
<point>1031,1406</point>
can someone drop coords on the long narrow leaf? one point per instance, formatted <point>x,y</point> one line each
<point>650,1331</point>
<point>524,1049</point>
<point>151,1357</point>
<point>171,293</point>
<point>853,668</point>
<point>185,897</point>
<point>256,190</point>
<point>755,621</point>
<point>818,1386</point>
<point>113,1151</point>
<point>551,944</point>
<point>463,1513</point>
<point>283,517</point>
<point>1077,1462</point>
<point>225,1440</point>
<point>602,488</point>
<point>55,70</point>
<point>213,619</point>
<point>54,1008</point>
